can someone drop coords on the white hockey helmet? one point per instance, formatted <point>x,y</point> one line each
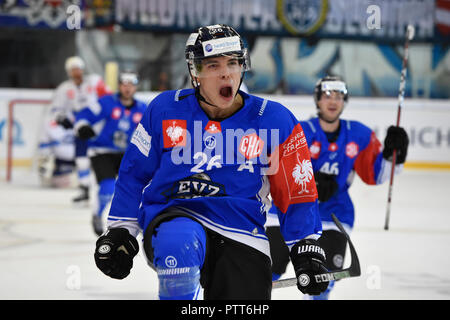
<point>129,77</point>
<point>74,62</point>
<point>212,41</point>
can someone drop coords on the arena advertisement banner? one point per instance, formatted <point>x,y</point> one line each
<point>53,14</point>
<point>374,20</point>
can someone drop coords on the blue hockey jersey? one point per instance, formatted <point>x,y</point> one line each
<point>356,149</point>
<point>219,172</point>
<point>113,122</point>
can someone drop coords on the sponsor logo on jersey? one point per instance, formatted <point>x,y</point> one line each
<point>171,262</point>
<point>314,150</point>
<point>351,149</point>
<point>302,174</point>
<point>210,142</point>
<point>116,113</point>
<point>142,140</point>
<point>251,146</point>
<point>195,186</point>
<point>174,133</point>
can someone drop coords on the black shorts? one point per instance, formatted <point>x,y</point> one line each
<point>234,271</point>
<point>106,165</point>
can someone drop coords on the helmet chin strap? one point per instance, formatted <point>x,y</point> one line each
<point>201,98</point>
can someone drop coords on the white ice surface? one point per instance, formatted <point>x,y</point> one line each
<point>46,245</point>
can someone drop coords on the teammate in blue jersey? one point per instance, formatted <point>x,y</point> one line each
<point>339,148</point>
<point>196,178</point>
<point>107,126</point>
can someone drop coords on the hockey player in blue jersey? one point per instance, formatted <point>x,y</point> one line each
<point>339,148</point>
<point>196,178</point>
<point>108,126</point>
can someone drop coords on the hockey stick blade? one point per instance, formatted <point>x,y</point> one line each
<point>354,270</point>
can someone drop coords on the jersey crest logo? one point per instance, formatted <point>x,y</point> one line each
<point>302,174</point>
<point>116,113</point>
<point>137,117</point>
<point>333,147</point>
<point>351,149</point>
<point>213,127</point>
<point>195,186</point>
<point>70,94</point>
<point>314,150</point>
<point>174,133</point>
<point>251,146</point>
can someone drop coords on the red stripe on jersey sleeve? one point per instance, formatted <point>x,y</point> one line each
<point>365,162</point>
<point>291,173</point>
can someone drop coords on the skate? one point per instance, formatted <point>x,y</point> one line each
<point>83,198</point>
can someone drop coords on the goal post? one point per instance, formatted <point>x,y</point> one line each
<point>25,126</point>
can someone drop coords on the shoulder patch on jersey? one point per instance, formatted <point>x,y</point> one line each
<point>291,176</point>
<point>142,140</point>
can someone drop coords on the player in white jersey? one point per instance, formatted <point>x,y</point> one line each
<point>70,97</point>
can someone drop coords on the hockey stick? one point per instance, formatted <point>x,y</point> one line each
<point>353,270</point>
<point>401,95</point>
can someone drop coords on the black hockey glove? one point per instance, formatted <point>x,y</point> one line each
<point>85,132</point>
<point>64,122</point>
<point>397,139</point>
<point>308,259</point>
<point>326,185</point>
<point>115,251</point>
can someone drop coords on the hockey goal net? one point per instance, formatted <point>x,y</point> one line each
<point>21,122</point>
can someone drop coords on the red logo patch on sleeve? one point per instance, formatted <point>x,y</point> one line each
<point>293,181</point>
<point>174,133</point>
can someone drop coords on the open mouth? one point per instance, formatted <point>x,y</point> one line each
<point>226,92</point>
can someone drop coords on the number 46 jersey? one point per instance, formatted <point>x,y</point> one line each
<point>356,150</point>
<point>218,172</point>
